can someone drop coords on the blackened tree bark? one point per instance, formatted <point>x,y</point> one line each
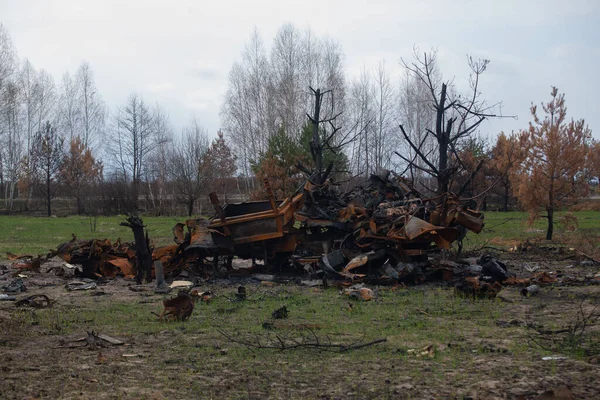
<point>142,247</point>
<point>318,144</point>
<point>456,119</point>
<point>550,229</point>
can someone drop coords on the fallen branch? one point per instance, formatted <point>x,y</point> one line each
<point>311,340</point>
<point>35,301</point>
<point>93,340</point>
<point>574,338</point>
<point>592,259</point>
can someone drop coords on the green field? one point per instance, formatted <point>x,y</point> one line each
<point>37,235</point>
<point>506,229</point>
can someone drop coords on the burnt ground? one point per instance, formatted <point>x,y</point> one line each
<point>439,345</point>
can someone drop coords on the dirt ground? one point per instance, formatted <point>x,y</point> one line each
<point>487,350</point>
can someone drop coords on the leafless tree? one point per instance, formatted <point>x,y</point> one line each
<point>321,61</point>
<point>156,174</point>
<point>362,109</point>
<point>45,92</point>
<point>417,118</point>
<point>69,111</point>
<point>372,110</point>
<point>248,110</point>
<point>8,57</point>
<point>186,165</point>
<point>82,111</point>
<point>48,152</point>
<point>12,149</point>
<point>28,89</point>
<point>456,118</point>
<point>270,94</point>
<point>134,137</point>
<point>385,119</point>
<point>91,106</point>
<point>37,102</point>
<point>286,63</point>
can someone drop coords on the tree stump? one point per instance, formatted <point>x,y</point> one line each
<point>142,248</point>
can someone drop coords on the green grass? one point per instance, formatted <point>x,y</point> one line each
<point>505,229</point>
<point>38,235</point>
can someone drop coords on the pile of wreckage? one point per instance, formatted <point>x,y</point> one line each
<point>381,231</point>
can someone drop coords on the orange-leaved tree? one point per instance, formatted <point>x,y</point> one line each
<point>506,156</point>
<point>79,171</point>
<point>557,152</point>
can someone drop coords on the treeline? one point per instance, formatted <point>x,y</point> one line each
<point>62,141</point>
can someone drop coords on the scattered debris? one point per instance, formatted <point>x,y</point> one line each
<point>562,392</point>
<point>362,293</point>
<point>554,358</point>
<point>206,296</point>
<point>290,326</point>
<point>35,301</point>
<point>93,340</point>
<point>181,284</point>
<point>543,278</point>
<point>427,351</point>
<point>67,270</point>
<point>287,341</point>
<point>15,286</point>
<point>32,264</point>
<point>493,270</point>
<point>81,285</point>
<point>473,288</point>
<point>280,313</point>
<point>241,293</point>
<point>530,291</point>
<point>6,297</point>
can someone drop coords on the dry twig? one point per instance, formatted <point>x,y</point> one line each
<point>310,340</point>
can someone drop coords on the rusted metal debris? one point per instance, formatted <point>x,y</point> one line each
<point>381,230</point>
<point>35,301</point>
<point>381,233</point>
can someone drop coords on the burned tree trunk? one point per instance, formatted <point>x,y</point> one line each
<point>318,144</point>
<point>457,118</point>
<point>190,207</point>
<point>142,248</point>
<point>316,147</point>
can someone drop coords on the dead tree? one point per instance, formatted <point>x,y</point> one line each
<point>142,248</point>
<point>316,144</point>
<point>457,117</point>
<point>323,139</point>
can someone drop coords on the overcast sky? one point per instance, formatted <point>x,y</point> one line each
<point>179,53</point>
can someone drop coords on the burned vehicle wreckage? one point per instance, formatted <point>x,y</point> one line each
<point>382,230</point>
